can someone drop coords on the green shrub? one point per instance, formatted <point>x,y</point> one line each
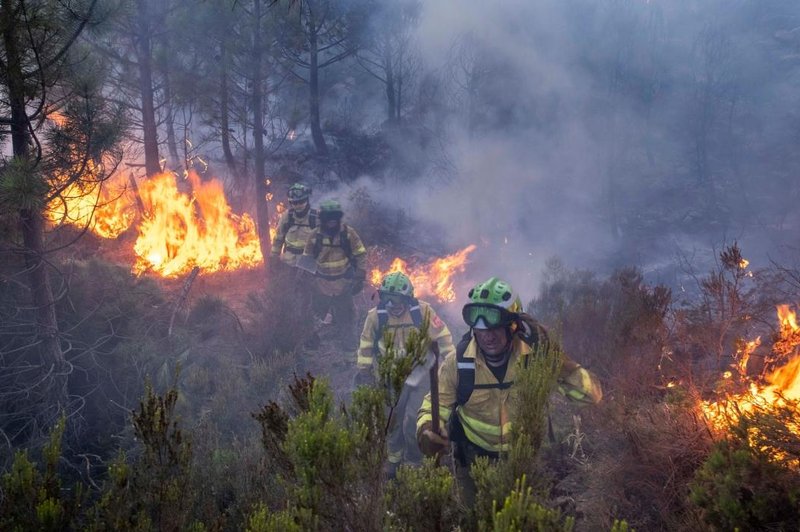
<point>741,487</point>
<point>520,512</point>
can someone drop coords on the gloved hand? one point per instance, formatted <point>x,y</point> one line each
<point>431,443</point>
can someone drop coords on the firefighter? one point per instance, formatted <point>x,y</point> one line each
<point>400,312</point>
<point>294,227</point>
<point>337,257</point>
<point>476,381</point>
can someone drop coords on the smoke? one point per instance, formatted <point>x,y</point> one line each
<point>608,134</point>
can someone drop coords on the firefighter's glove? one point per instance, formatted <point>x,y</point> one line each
<point>431,443</point>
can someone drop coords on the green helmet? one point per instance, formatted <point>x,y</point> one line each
<point>397,283</point>
<point>330,209</point>
<point>493,303</point>
<point>299,192</point>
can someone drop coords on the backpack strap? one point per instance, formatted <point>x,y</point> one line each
<point>465,371</point>
<point>344,243</point>
<point>312,218</point>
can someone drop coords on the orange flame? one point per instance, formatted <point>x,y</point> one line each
<point>433,278</point>
<point>181,232</point>
<point>781,386</point>
<point>104,208</point>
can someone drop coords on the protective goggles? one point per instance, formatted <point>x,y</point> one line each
<point>298,202</point>
<point>485,316</point>
<point>392,299</point>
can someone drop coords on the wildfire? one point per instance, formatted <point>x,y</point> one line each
<point>180,232</point>
<point>105,208</point>
<point>781,387</point>
<point>433,278</point>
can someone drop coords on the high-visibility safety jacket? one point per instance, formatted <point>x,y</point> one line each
<point>487,413</point>
<point>337,258</point>
<point>292,235</point>
<point>379,320</point>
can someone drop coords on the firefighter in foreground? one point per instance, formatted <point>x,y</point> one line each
<point>476,381</point>
<point>337,258</point>
<point>294,227</point>
<point>399,312</point>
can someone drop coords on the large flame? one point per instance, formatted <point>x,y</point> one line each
<point>180,232</point>
<point>433,278</point>
<point>104,208</point>
<point>780,388</point>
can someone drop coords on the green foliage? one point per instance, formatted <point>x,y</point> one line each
<point>32,499</point>
<point>332,458</point>
<point>421,498</point>
<point>520,512</point>
<point>533,387</point>
<point>262,520</point>
<point>153,491</point>
<point>21,185</point>
<point>747,485</point>
<point>621,526</point>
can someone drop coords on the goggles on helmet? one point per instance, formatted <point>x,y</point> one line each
<point>485,316</point>
<point>392,299</point>
<point>298,202</point>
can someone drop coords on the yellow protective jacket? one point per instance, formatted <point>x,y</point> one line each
<point>486,416</point>
<point>292,235</point>
<point>334,266</point>
<point>372,337</point>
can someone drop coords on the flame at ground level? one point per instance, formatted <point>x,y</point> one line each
<point>433,278</point>
<point>180,232</point>
<point>104,208</point>
<point>781,387</point>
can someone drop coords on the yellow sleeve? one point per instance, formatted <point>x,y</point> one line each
<point>448,377</point>
<point>280,236</point>
<point>364,355</point>
<point>439,333</point>
<point>581,386</point>
<point>358,249</point>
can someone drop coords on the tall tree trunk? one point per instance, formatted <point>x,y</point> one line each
<point>391,98</point>
<point>172,143</point>
<point>145,61</point>
<point>262,209</point>
<point>313,91</point>
<point>32,222</point>
<point>224,111</point>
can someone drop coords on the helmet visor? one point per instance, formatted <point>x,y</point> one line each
<point>484,316</point>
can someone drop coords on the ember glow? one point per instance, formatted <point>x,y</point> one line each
<point>106,209</point>
<point>180,231</point>
<point>780,388</point>
<point>433,278</point>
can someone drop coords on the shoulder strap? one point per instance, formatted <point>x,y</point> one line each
<point>288,223</point>
<point>466,371</point>
<point>344,242</point>
<point>312,219</point>
<point>383,318</point>
<point>317,244</point>
<point>416,313</point>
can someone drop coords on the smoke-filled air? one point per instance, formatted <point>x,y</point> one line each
<point>373,265</point>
